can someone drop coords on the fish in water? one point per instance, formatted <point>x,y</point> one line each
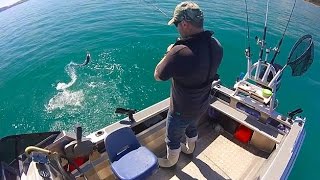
<point>86,61</point>
<point>71,70</point>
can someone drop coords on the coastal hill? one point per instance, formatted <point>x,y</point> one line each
<point>10,6</point>
<point>315,2</point>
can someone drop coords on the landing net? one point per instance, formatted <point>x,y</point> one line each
<point>301,55</point>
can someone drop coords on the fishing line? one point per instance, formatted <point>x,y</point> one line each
<point>156,7</point>
<point>277,49</point>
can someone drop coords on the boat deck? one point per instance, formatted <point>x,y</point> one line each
<point>217,156</point>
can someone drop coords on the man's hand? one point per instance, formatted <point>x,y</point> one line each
<point>156,74</point>
<point>169,47</point>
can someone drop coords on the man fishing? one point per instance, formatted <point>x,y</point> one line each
<point>191,64</point>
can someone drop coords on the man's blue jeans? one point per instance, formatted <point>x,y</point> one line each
<point>177,127</point>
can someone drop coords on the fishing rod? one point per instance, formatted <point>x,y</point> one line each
<point>264,32</point>
<point>248,50</point>
<point>156,7</point>
<point>262,43</point>
<point>277,48</point>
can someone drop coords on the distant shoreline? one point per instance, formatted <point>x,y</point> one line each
<point>10,6</point>
<point>315,2</point>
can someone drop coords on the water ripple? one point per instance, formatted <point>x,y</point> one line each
<point>126,40</point>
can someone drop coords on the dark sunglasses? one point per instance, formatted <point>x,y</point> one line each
<point>177,23</point>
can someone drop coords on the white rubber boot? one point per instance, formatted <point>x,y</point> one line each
<point>172,158</point>
<point>190,145</point>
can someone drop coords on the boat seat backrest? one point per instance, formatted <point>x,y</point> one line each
<point>120,142</point>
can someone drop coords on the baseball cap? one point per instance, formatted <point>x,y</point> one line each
<point>188,11</point>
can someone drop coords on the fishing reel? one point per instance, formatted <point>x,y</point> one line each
<point>247,52</point>
<point>276,49</point>
<point>260,42</point>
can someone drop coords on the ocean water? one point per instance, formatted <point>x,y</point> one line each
<point>40,40</point>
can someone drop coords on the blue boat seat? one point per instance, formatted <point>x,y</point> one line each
<point>129,160</point>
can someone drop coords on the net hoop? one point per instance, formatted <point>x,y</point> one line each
<point>311,45</point>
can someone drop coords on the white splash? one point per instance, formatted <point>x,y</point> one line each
<point>66,97</point>
<point>72,73</point>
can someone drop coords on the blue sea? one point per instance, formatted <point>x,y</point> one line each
<point>40,40</point>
